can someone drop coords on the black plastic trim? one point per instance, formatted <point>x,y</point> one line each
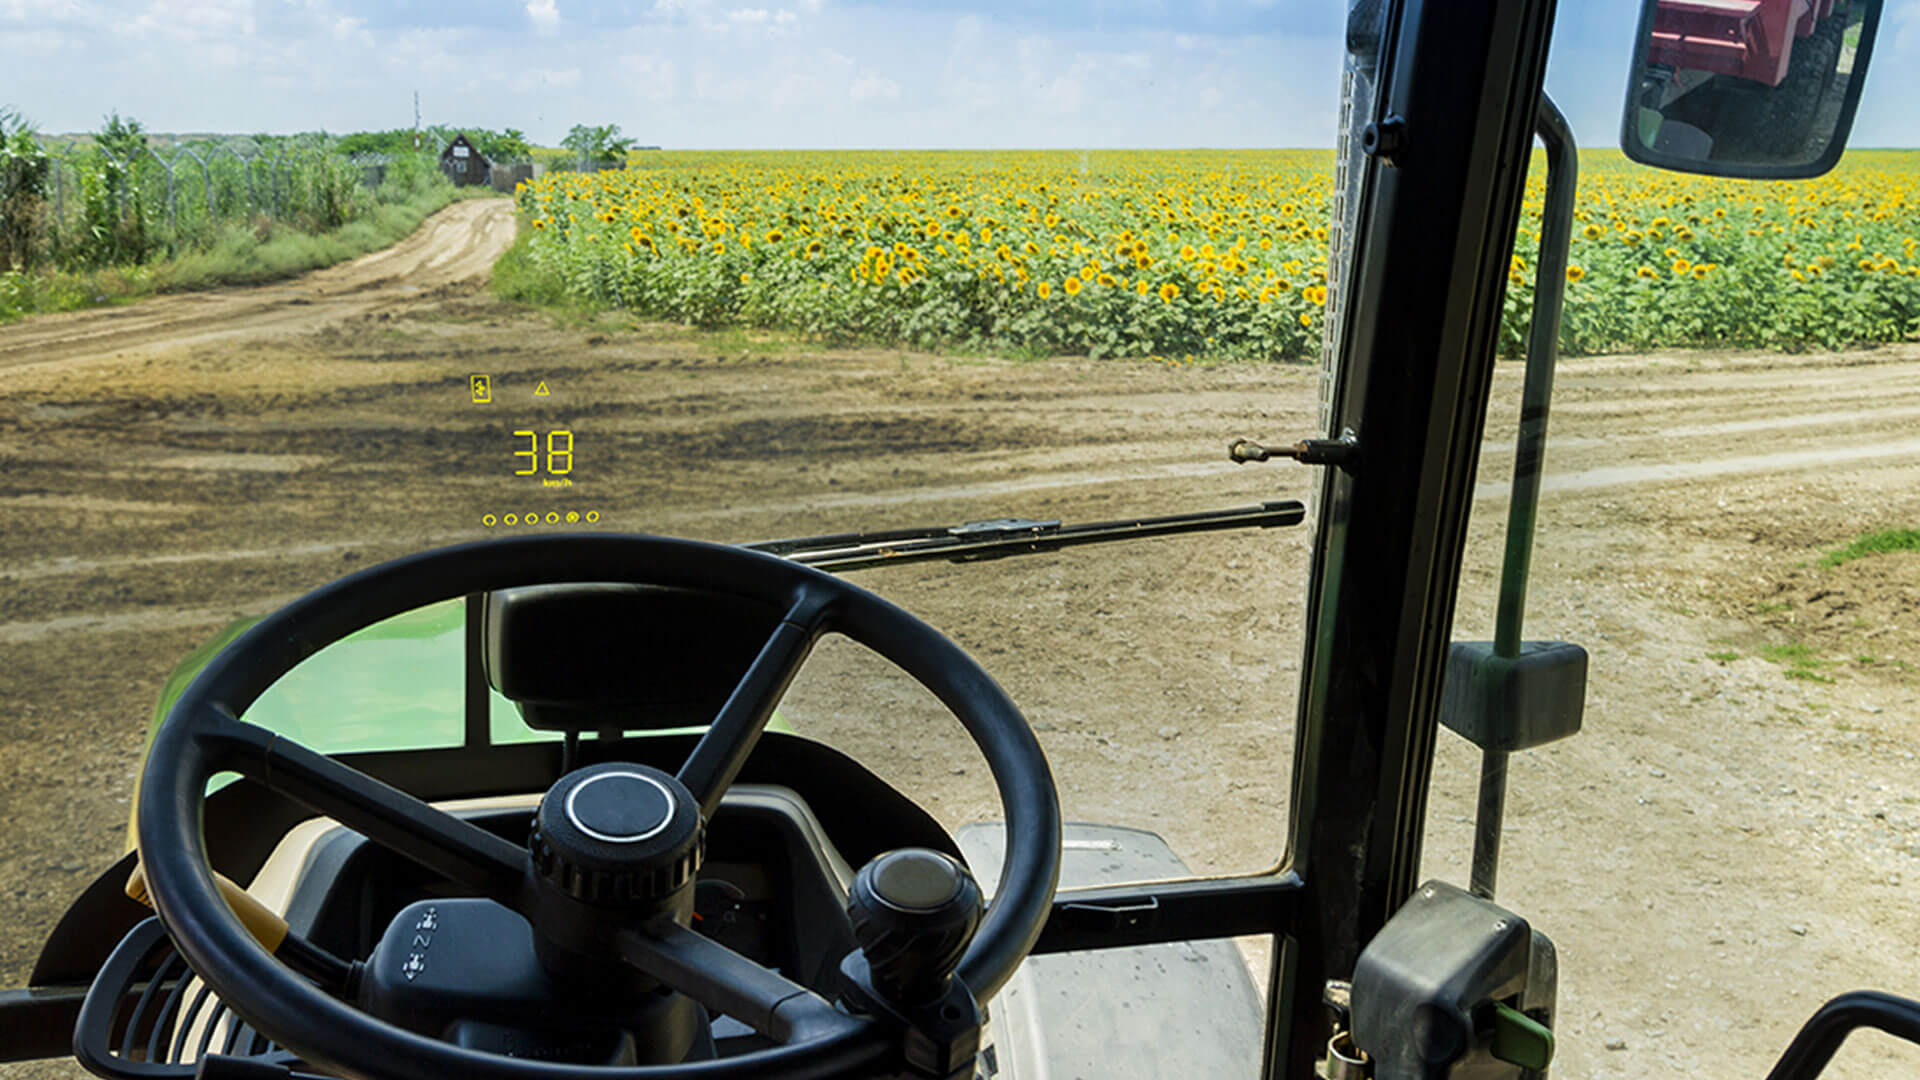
<point>1807,1056</point>
<point>862,813</point>
<point>1427,294</point>
<point>1124,916</point>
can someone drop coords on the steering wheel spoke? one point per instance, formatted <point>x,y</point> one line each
<point>721,752</point>
<point>475,858</point>
<point>726,982</point>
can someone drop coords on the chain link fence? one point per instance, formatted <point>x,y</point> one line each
<point>93,206</point>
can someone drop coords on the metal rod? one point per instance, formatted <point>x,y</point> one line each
<point>1820,1039</point>
<point>1486,822</point>
<point>477,703</point>
<point>988,540</point>
<point>1543,339</point>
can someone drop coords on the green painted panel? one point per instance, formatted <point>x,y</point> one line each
<point>396,685</point>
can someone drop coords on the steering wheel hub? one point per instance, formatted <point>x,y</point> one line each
<point>617,834</point>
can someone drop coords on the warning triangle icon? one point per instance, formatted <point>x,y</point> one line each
<point>541,390</point>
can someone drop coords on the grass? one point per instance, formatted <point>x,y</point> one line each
<point>1801,662</point>
<point>1724,657</point>
<point>516,278</point>
<point>1883,542</point>
<point>240,255</point>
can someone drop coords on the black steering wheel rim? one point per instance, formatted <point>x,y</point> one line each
<point>201,736</point>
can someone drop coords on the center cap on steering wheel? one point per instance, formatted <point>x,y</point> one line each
<point>620,807</point>
<point>617,833</point>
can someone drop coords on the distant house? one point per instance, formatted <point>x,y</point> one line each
<point>463,164</point>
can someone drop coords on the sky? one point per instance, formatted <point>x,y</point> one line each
<point>830,74</point>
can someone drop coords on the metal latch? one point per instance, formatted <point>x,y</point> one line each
<point>1342,452</point>
<point>1110,917</point>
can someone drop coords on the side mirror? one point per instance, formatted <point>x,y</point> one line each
<point>1764,89</point>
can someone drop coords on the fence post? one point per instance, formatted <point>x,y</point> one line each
<point>59,190</point>
<point>206,180</point>
<point>173,218</point>
<point>119,192</point>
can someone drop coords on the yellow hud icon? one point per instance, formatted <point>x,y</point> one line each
<point>482,387</point>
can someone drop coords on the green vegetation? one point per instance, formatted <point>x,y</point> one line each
<point>1874,543</point>
<point>1800,662</point>
<point>597,144</point>
<point>1205,254</point>
<point>239,256</point>
<point>517,278</point>
<point>1727,656</point>
<point>496,146</point>
<point>23,188</point>
<point>111,233</point>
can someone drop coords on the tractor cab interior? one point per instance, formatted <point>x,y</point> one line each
<point>637,870</point>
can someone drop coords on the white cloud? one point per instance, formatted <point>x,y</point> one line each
<point>1904,21</point>
<point>349,28</point>
<point>206,21</point>
<point>39,42</point>
<point>871,86</point>
<point>651,78</point>
<point>544,14</point>
<point>724,87</point>
<point>42,10</point>
<point>748,72</point>
<point>427,53</point>
<point>539,78</point>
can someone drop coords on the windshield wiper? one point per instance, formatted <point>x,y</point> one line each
<point>1000,537</point>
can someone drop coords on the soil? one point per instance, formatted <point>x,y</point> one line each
<point>1733,838</point>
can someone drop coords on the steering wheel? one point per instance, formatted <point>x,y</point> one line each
<point>202,736</point>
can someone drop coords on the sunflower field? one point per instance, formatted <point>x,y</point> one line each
<point>1197,253</point>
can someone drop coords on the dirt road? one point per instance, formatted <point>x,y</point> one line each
<point>1722,848</point>
<point>455,246</point>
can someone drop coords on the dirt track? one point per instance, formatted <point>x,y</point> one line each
<point>1721,849</point>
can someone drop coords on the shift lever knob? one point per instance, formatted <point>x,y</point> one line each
<point>914,912</point>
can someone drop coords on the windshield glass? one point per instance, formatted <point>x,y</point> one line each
<point>538,268</point>
<point>240,365</point>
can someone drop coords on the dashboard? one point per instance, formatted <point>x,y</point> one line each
<point>772,887</point>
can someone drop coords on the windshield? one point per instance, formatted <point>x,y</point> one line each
<point>241,365</point>
<point>540,269</point>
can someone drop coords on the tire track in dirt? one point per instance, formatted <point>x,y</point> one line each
<point>457,244</point>
<point>1706,793</point>
<point>1561,479</point>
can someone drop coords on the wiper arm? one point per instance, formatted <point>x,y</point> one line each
<point>1001,537</point>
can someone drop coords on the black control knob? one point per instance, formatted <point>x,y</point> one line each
<point>618,835</point>
<point>914,912</point>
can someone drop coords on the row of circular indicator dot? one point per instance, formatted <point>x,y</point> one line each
<point>553,517</point>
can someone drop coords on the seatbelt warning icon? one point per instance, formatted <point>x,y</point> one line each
<point>482,387</point>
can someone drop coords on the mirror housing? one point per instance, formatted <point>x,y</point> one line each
<point>594,657</point>
<point>1760,89</point>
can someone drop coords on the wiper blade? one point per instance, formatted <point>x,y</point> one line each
<point>1001,537</point>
